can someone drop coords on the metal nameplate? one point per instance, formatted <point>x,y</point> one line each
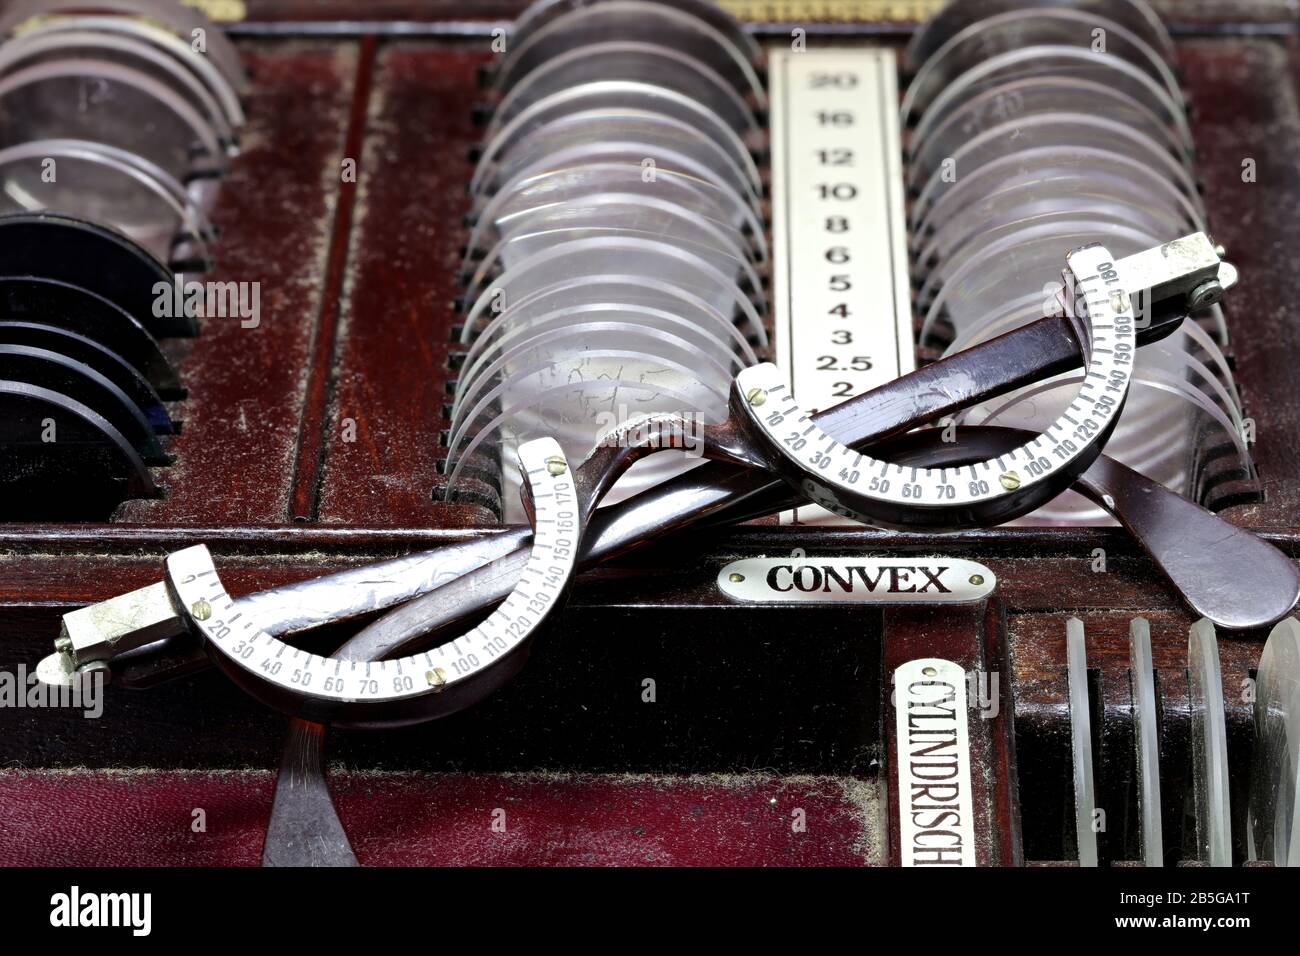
<point>900,580</point>
<point>934,782</point>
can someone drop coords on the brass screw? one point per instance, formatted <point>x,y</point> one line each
<point>929,671</point>
<point>1119,301</point>
<point>735,577</point>
<point>1010,480</point>
<point>977,579</point>
<point>556,465</point>
<point>756,396</point>
<point>202,610</point>
<point>437,679</point>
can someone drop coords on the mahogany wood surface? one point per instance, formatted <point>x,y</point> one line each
<point>358,282</point>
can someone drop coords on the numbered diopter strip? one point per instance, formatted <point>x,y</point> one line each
<point>334,686</point>
<point>879,491</point>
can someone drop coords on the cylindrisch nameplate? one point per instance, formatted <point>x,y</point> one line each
<point>934,766</point>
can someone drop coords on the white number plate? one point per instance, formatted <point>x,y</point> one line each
<point>842,300</point>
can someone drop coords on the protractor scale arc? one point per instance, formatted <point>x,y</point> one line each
<point>854,484</point>
<point>318,687</point>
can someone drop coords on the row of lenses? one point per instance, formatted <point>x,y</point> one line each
<point>114,130</point>
<point>127,120</point>
<point>1034,129</point>
<point>617,254</point>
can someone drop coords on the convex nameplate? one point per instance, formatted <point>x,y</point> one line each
<point>855,580</point>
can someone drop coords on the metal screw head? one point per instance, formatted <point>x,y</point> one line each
<point>1205,294</point>
<point>201,610</point>
<point>556,465</point>
<point>1010,480</point>
<point>1119,301</point>
<point>95,667</point>
<point>977,579</point>
<point>756,396</point>
<point>930,671</point>
<point>735,577</point>
<point>437,679</point>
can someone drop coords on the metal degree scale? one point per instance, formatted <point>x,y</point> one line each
<point>627,381</point>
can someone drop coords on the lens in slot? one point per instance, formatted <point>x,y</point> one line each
<point>660,141</point>
<point>615,20</point>
<point>180,20</point>
<point>80,382</point>
<point>87,471</point>
<point>621,255</point>
<point>70,307</point>
<point>637,292</point>
<point>1136,15</point>
<point>543,12</point>
<point>626,212</point>
<point>638,62</point>
<point>985,187</point>
<point>106,185</point>
<point>127,52</point>
<point>1061,61</point>
<point>200,64</point>
<point>492,356</point>
<point>121,107</point>
<point>1055,193</point>
<point>1025,101</point>
<point>1016,30</point>
<point>613,97</point>
<point>573,184</point>
<point>97,357</point>
<point>654,225</point>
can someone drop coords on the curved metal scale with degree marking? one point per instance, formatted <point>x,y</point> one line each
<point>409,689</point>
<point>854,484</point>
